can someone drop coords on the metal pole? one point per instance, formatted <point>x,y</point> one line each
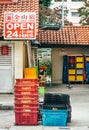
<point>62,13</point>
<point>29,52</point>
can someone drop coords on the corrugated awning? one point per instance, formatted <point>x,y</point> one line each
<point>34,42</point>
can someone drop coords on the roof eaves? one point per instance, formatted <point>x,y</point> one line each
<point>49,27</point>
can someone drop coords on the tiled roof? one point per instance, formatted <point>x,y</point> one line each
<point>20,6</point>
<point>74,35</point>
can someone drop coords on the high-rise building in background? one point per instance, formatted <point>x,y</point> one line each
<point>72,7</point>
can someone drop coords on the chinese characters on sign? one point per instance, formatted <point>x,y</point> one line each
<point>19,25</point>
<point>4,50</point>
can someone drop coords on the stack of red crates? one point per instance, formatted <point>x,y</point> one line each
<point>26,101</point>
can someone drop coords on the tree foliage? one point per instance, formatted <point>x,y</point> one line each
<point>52,16</point>
<point>46,3</point>
<point>47,62</point>
<point>84,13</point>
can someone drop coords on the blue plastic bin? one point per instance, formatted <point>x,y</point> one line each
<point>54,117</point>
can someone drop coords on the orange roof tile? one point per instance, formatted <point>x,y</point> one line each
<point>67,35</point>
<point>20,6</point>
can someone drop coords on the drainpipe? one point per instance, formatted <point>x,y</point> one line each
<point>29,53</point>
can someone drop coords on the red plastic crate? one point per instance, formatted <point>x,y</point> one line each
<point>25,87</point>
<point>26,105</point>
<point>26,92</point>
<point>26,101</point>
<point>26,109</point>
<point>26,118</point>
<point>25,96</point>
<point>26,81</point>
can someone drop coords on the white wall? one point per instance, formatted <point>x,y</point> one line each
<point>6,68</point>
<point>57,60</point>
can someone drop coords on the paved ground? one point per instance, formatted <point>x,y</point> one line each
<point>80,109</point>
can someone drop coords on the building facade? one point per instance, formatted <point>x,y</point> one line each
<point>70,40</point>
<point>15,53</point>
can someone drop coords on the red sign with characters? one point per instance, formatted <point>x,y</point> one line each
<point>19,25</point>
<point>4,50</point>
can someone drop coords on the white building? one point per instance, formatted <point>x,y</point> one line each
<point>72,6</point>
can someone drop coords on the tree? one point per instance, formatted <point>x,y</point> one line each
<point>51,16</point>
<point>43,4</point>
<point>84,13</point>
<point>46,3</point>
<point>54,16</point>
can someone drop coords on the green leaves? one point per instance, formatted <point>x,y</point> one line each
<point>45,2</point>
<point>84,13</point>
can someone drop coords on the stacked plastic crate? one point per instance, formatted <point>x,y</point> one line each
<point>26,101</point>
<point>55,110</point>
<point>75,68</point>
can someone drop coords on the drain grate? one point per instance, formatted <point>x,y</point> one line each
<point>64,128</point>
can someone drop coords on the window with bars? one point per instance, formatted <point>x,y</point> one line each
<point>34,58</point>
<point>75,14</point>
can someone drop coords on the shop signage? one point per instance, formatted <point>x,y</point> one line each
<point>4,50</point>
<point>19,25</point>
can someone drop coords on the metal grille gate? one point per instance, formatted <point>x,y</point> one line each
<point>6,70</point>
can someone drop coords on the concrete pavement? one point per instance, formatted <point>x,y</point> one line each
<point>80,109</point>
<point>48,128</point>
